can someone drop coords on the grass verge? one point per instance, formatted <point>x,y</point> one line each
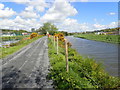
<point>103,38</point>
<point>7,51</point>
<point>84,73</point>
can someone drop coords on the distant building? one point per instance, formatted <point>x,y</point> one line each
<point>100,33</point>
<point>24,33</point>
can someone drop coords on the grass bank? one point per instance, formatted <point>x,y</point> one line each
<point>7,38</point>
<point>16,46</point>
<point>104,38</point>
<point>83,73</point>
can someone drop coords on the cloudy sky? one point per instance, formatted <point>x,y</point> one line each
<point>67,15</point>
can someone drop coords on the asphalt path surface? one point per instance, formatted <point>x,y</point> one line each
<point>27,68</point>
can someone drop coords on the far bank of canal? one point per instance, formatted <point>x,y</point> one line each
<point>102,52</point>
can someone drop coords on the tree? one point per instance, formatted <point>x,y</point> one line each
<point>48,27</point>
<point>33,29</point>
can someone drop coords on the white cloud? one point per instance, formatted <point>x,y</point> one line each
<point>25,1</point>
<point>19,1</point>
<point>29,14</point>
<point>72,25</point>
<point>112,13</point>
<point>1,6</point>
<point>29,8</point>
<point>59,11</point>
<point>6,24</point>
<point>6,12</point>
<point>19,20</point>
<point>39,5</point>
<point>69,21</point>
<point>19,23</point>
<point>113,24</point>
<point>25,20</point>
<point>69,25</point>
<point>27,23</point>
<point>99,26</point>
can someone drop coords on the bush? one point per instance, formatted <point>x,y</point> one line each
<point>33,35</point>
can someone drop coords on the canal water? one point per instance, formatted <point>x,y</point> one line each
<point>102,52</point>
<point>8,42</point>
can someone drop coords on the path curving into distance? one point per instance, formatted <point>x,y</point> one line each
<point>27,68</point>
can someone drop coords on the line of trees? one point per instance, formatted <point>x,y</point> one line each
<point>109,30</point>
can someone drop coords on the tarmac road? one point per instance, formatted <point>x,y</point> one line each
<point>28,67</point>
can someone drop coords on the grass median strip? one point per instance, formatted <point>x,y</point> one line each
<point>83,72</point>
<point>7,51</point>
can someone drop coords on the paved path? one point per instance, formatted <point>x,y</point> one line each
<point>28,67</point>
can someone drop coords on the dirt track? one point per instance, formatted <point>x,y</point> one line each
<point>28,67</point>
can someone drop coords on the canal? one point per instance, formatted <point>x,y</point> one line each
<point>105,53</point>
<point>8,42</point>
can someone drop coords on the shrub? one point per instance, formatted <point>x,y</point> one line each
<point>33,35</point>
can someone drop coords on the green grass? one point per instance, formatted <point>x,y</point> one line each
<point>7,51</point>
<point>83,72</point>
<point>103,38</point>
<point>7,38</point>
